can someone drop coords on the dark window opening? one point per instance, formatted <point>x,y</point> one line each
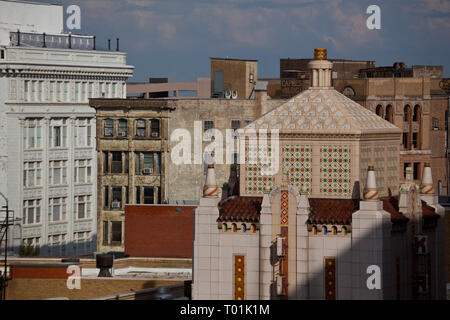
<point>138,195</point>
<point>154,128</point>
<point>122,128</point>
<point>140,128</point>
<point>116,232</point>
<point>116,163</point>
<point>109,128</point>
<point>116,197</point>
<point>105,232</point>
<point>106,202</point>
<point>149,197</point>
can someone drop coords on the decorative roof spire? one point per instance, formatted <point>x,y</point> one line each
<point>370,190</point>
<point>320,69</point>
<point>210,190</point>
<point>426,186</point>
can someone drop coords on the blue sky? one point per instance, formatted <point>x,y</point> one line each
<point>175,38</point>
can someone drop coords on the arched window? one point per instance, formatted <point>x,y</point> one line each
<point>109,127</point>
<point>225,227</point>
<point>407,113</point>
<point>234,227</point>
<point>388,116</point>
<point>379,110</point>
<point>253,227</point>
<point>334,230</point>
<point>344,230</point>
<point>325,230</point>
<point>244,227</point>
<point>416,113</point>
<point>314,230</point>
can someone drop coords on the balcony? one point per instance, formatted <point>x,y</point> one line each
<point>60,41</point>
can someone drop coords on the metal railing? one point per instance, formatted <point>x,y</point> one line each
<point>60,41</point>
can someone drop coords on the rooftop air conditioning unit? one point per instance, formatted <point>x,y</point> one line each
<point>155,134</point>
<point>115,204</point>
<point>148,170</point>
<point>281,285</point>
<point>122,134</point>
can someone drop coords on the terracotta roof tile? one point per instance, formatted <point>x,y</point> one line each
<point>334,211</point>
<point>235,208</point>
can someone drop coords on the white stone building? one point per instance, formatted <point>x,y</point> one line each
<point>47,130</point>
<point>334,222</point>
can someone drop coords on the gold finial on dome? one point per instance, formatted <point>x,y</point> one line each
<point>320,54</point>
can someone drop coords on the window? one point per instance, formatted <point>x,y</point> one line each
<point>116,163</point>
<point>435,123</point>
<point>208,124</point>
<point>66,91</point>
<point>90,90</point>
<point>32,134</point>
<point>106,162</point>
<point>154,126</point>
<point>106,196</point>
<point>389,113</point>
<point>235,124</point>
<point>82,207</point>
<point>77,91</point>
<point>52,86</point>
<point>140,128</point>
<point>105,232</point>
<point>83,171</point>
<point>57,244</point>
<point>35,242</point>
<point>32,174</point>
<point>58,133</point>
<point>149,160</point>
<point>122,128</point>
<point>405,140</point>
<point>2,54</point>
<point>83,132</point>
<point>407,113</point>
<point>116,232</point>
<point>138,195</point>
<point>416,170</point>
<point>416,113</point>
<point>82,242</point>
<point>57,209</point>
<point>109,127</point>
<point>414,140</point>
<point>405,165</point>
<point>116,198</point>
<point>137,162</point>
<point>31,211</point>
<point>149,196</point>
<point>57,173</point>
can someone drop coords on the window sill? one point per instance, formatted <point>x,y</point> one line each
<point>30,225</point>
<point>57,222</point>
<point>83,220</point>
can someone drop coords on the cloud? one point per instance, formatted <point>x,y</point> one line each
<point>167,31</point>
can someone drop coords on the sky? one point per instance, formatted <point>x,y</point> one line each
<point>175,38</point>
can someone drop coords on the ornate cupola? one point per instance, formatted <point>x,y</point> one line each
<point>320,70</point>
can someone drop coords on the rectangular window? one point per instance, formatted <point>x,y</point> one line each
<point>57,209</point>
<point>58,133</point>
<point>83,132</point>
<point>31,211</point>
<point>106,196</point>
<point>149,196</point>
<point>32,134</point>
<point>416,170</point>
<point>116,163</point>
<point>57,172</point>
<point>137,162</point>
<point>155,128</point>
<point>82,207</point>
<point>140,128</point>
<point>138,195</point>
<point>122,128</point>
<point>83,171</point>
<point>149,161</point>
<point>235,124</point>
<point>116,198</point>
<point>405,140</point>
<point>105,162</point>
<point>405,165</point>
<point>105,232</point>
<point>208,124</point>
<point>414,140</point>
<point>2,54</point>
<point>32,174</point>
<point>435,123</point>
<point>109,127</point>
<point>116,232</point>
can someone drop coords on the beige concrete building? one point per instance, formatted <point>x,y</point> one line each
<point>234,77</point>
<point>132,150</point>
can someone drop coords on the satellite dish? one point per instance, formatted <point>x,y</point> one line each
<point>234,94</point>
<point>228,94</point>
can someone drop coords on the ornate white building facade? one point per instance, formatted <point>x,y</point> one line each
<point>47,132</point>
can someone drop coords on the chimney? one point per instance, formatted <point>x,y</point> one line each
<point>370,190</point>
<point>210,190</point>
<point>320,70</point>
<point>426,186</point>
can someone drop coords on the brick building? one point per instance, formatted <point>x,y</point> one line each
<point>149,231</point>
<point>132,150</point>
